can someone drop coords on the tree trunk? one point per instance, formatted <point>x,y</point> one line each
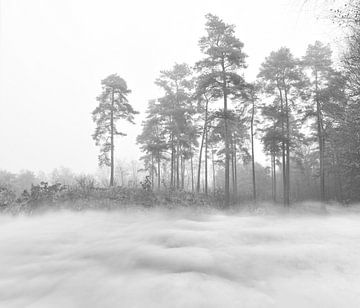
<point>158,167</point>
<point>213,170</point>
<point>178,165</point>
<point>340,197</point>
<point>320,140</point>
<point>172,162</point>
<point>235,171</point>
<point>204,138</point>
<point>274,177</point>
<point>227,152</point>
<point>287,150</point>
<point>182,171</point>
<point>232,169</point>
<point>206,154</point>
<point>322,174</point>
<point>283,148</point>
<point>192,173</point>
<point>227,158</point>
<point>252,151</point>
<point>112,140</point>
<point>200,159</point>
<point>152,171</point>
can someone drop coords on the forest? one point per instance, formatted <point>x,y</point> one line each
<point>201,138</point>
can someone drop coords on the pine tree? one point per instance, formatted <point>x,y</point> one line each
<point>205,94</point>
<point>113,106</point>
<point>252,97</point>
<point>153,140</point>
<point>318,60</point>
<point>223,57</point>
<point>284,79</point>
<point>177,109</point>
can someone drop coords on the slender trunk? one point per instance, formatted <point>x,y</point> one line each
<point>182,171</point>
<point>227,158</point>
<point>158,167</point>
<point>200,159</point>
<point>213,170</point>
<point>112,140</point>
<point>272,175</point>
<point>178,165</point>
<point>338,176</point>
<point>323,191</point>
<point>206,154</point>
<point>192,173</point>
<point>274,170</point>
<point>283,148</point>
<point>227,152</point>
<point>235,171</point>
<point>320,139</point>
<point>232,168</point>
<point>152,171</point>
<point>287,149</point>
<point>204,138</point>
<point>252,151</point>
<point>172,162</point>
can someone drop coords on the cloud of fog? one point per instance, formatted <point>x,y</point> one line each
<point>151,258</point>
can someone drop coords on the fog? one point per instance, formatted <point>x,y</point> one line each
<point>153,258</point>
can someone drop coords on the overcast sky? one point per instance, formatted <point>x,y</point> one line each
<point>54,53</point>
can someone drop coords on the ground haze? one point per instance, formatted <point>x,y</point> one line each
<point>173,258</point>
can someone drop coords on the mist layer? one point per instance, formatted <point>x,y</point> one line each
<point>151,258</point>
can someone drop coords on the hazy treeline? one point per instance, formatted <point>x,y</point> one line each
<point>126,174</point>
<point>303,110</point>
<point>200,135</point>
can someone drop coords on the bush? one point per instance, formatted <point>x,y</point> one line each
<point>85,194</point>
<point>7,196</point>
<point>44,193</point>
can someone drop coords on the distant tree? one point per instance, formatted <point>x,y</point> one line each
<point>318,60</point>
<point>153,140</point>
<point>283,78</point>
<point>238,137</point>
<point>176,110</point>
<point>272,138</point>
<point>113,106</point>
<point>205,94</point>
<point>24,180</point>
<point>252,98</point>
<point>344,112</point>
<point>121,172</point>
<point>62,175</point>
<point>7,178</point>
<point>341,114</point>
<point>219,69</point>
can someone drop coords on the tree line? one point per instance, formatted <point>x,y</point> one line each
<point>200,134</point>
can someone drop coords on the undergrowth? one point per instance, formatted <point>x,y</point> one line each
<point>85,194</point>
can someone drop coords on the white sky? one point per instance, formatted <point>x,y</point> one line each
<point>54,53</point>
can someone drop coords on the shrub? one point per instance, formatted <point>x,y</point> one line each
<point>7,196</point>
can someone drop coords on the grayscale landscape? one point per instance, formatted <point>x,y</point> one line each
<point>180,154</point>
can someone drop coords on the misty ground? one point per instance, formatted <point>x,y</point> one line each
<point>181,258</point>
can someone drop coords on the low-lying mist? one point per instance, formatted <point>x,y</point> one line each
<point>179,258</point>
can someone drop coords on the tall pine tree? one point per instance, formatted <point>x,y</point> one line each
<point>113,106</point>
<point>224,56</point>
